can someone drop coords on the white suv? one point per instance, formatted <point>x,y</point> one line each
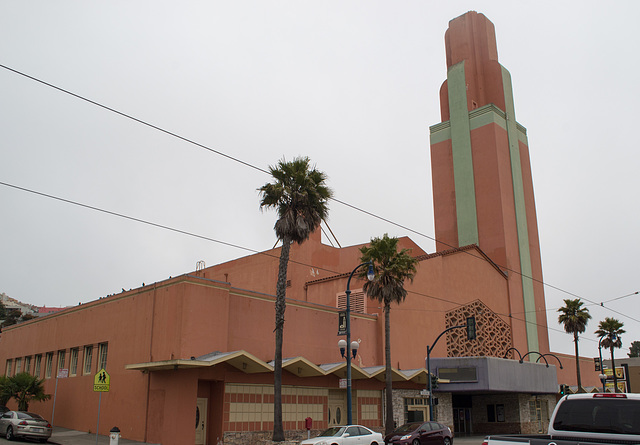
<point>597,417</point>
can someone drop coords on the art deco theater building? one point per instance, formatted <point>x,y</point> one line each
<point>202,344</point>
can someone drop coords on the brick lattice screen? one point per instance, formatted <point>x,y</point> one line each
<point>493,335</point>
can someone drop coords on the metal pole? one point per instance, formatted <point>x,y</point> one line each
<point>348,292</point>
<point>429,349</point>
<point>349,414</point>
<point>601,364</point>
<point>55,395</point>
<point>98,426</point>
<point>430,388</point>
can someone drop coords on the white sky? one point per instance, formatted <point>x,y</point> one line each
<point>351,84</point>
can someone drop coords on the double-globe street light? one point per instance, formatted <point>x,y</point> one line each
<point>353,346</point>
<point>603,376</point>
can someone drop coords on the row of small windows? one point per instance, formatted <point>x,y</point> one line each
<point>73,362</point>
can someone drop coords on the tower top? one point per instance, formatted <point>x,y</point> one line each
<point>471,39</point>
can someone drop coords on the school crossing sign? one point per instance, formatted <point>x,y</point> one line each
<point>101,381</point>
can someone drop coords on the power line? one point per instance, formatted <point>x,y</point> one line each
<point>184,232</point>
<point>247,164</point>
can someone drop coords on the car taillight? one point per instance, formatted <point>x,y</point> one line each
<point>612,395</point>
<point>48,425</point>
<point>24,423</point>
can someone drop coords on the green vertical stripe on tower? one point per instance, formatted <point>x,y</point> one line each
<point>462,160</point>
<point>521,215</point>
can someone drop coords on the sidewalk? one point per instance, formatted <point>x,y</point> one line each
<point>64,436</point>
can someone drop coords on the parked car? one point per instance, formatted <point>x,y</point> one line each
<point>346,435</point>
<point>420,433</point>
<point>14,424</point>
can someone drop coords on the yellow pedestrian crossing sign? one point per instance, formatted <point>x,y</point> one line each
<point>101,381</point>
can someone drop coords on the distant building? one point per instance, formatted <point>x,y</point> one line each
<point>44,310</point>
<point>11,303</point>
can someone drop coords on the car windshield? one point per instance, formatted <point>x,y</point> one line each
<point>407,427</point>
<point>332,432</point>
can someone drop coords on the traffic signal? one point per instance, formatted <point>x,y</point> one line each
<point>564,389</point>
<point>471,328</point>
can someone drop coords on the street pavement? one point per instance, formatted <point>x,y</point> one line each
<point>64,436</point>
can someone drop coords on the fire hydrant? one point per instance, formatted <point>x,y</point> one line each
<point>114,436</point>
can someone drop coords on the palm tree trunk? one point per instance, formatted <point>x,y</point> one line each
<point>389,425</point>
<point>613,368</point>
<point>575,340</point>
<point>281,289</point>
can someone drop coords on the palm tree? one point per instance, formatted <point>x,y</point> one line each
<point>300,196</point>
<point>25,388</point>
<point>5,391</point>
<point>574,317</point>
<point>391,269</point>
<point>609,331</point>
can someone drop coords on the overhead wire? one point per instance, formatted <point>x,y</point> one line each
<point>247,164</point>
<point>455,304</point>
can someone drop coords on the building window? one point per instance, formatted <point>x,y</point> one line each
<point>8,368</point>
<point>36,370</point>
<point>73,364</point>
<point>88,354</point>
<point>48,365</point>
<point>495,413</point>
<point>18,365</point>
<point>27,364</point>
<point>102,356</point>
<point>61,360</point>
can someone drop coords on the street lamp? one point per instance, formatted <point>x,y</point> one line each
<point>342,344</point>
<point>603,377</point>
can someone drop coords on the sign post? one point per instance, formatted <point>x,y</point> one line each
<point>62,374</point>
<point>101,383</point>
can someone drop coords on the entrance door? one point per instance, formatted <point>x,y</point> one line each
<point>201,421</point>
<point>337,414</point>
<point>462,420</point>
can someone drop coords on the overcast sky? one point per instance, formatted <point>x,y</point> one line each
<point>351,84</point>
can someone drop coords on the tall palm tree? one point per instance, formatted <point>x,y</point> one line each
<point>392,268</point>
<point>300,196</point>
<point>610,330</point>
<point>25,388</point>
<point>574,317</point>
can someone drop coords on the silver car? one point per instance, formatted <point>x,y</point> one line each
<point>14,424</point>
<point>346,435</point>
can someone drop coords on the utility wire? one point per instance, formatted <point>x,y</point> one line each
<point>184,232</point>
<point>247,164</point>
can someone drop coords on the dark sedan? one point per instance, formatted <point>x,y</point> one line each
<point>420,433</point>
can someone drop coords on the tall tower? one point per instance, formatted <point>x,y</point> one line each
<point>482,185</point>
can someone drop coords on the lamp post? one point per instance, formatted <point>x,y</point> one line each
<point>603,376</point>
<point>353,346</point>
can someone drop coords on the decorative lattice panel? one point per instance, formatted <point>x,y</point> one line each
<point>493,335</point>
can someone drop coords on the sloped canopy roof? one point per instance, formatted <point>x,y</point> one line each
<point>300,366</point>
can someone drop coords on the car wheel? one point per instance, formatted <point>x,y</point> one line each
<point>447,441</point>
<point>415,442</point>
<point>9,435</point>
